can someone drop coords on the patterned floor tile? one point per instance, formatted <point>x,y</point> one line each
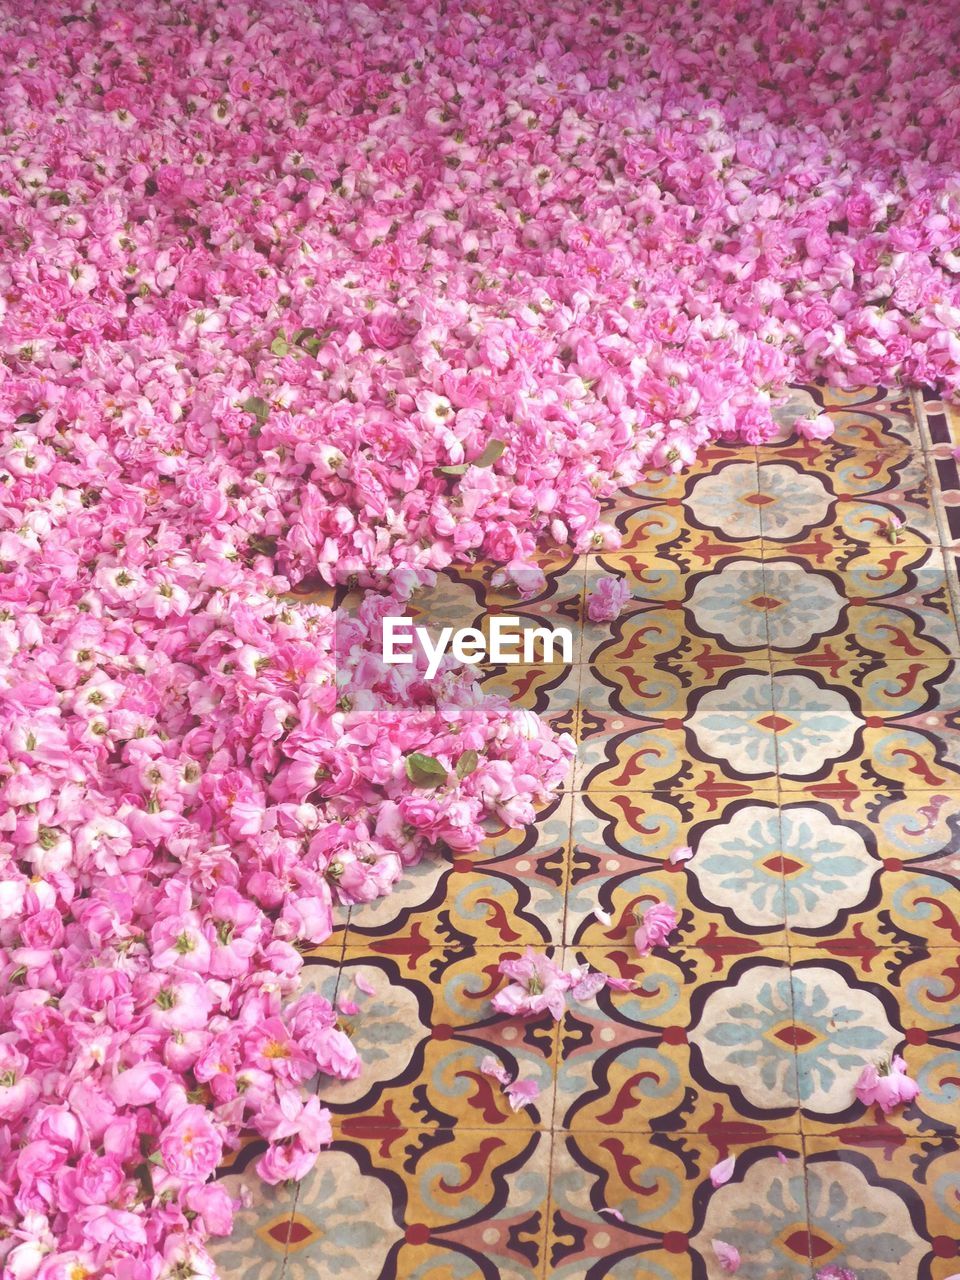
<point>704,1043</point>
<point>423,1035</point>
<point>869,725</point>
<point>872,871</point>
<point>855,1012</point>
<point>426,1204</point>
<point>262,1232</point>
<point>671,1214</point>
<point>511,892</point>
<point>680,723</point>
<point>848,498</point>
<point>864,602</point>
<point>698,511</point>
<point>870,418</point>
<point>681,609</point>
<point>885,1210</point>
<point>729,897</point>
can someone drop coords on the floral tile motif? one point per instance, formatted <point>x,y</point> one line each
<point>859,603</point>
<point>885,1210</point>
<point>680,608</point>
<point>703,1044</point>
<point>464,596</point>
<point>426,1204</point>
<point>870,871</point>
<point>870,725</point>
<point>509,893</point>
<point>671,1214</point>
<point>729,897</point>
<point>845,498</point>
<point>262,1232</point>
<point>860,1010</point>
<point>840,1210</point>
<point>423,1034</point>
<point>680,512</point>
<point>870,418</point>
<point>683,723</point>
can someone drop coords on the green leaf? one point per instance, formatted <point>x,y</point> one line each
<point>280,346</point>
<point>466,764</point>
<point>310,340</point>
<point>263,545</point>
<point>460,469</point>
<point>58,197</point>
<point>155,1157</point>
<point>309,174</point>
<point>424,771</point>
<point>491,453</point>
<point>258,407</point>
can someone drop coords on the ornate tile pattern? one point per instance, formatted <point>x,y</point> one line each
<point>781,693</point>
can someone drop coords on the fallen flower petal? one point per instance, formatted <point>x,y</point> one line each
<point>613,1213</point>
<point>489,1066</point>
<point>727,1256</point>
<point>886,1085</point>
<point>521,1093</point>
<point>682,853</point>
<point>723,1171</point>
<point>363,983</point>
<point>607,599</point>
<point>841,1273</point>
<point>604,917</point>
<point>819,428</point>
<point>658,923</point>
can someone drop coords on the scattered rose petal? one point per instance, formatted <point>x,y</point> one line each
<point>682,853</point>
<point>347,1007</point>
<point>723,1171</point>
<point>607,599</point>
<point>364,984</point>
<point>727,1256</point>
<point>658,923</point>
<point>490,1066</point>
<point>782,1158</point>
<point>521,1093</point>
<point>612,1213</point>
<point>621,984</point>
<point>886,1085</point>
<point>604,917</point>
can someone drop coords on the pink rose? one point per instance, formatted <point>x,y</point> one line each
<point>658,923</point>
<point>887,1085</point>
<point>190,1145</point>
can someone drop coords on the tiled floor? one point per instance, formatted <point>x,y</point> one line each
<point>783,694</point>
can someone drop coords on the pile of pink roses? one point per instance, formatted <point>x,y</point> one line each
<point>294,289</point>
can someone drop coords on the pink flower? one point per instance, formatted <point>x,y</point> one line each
<point>607,598</point>
<point>727,1256</point>
<point>658,922</point>
<point>489,1066</point>
<point>522,1093</point>
<point>190,1145</point>
<point>821,427</point>
<point>887,1085</point>
<point>539,986</point>
<point>836,1273</point>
